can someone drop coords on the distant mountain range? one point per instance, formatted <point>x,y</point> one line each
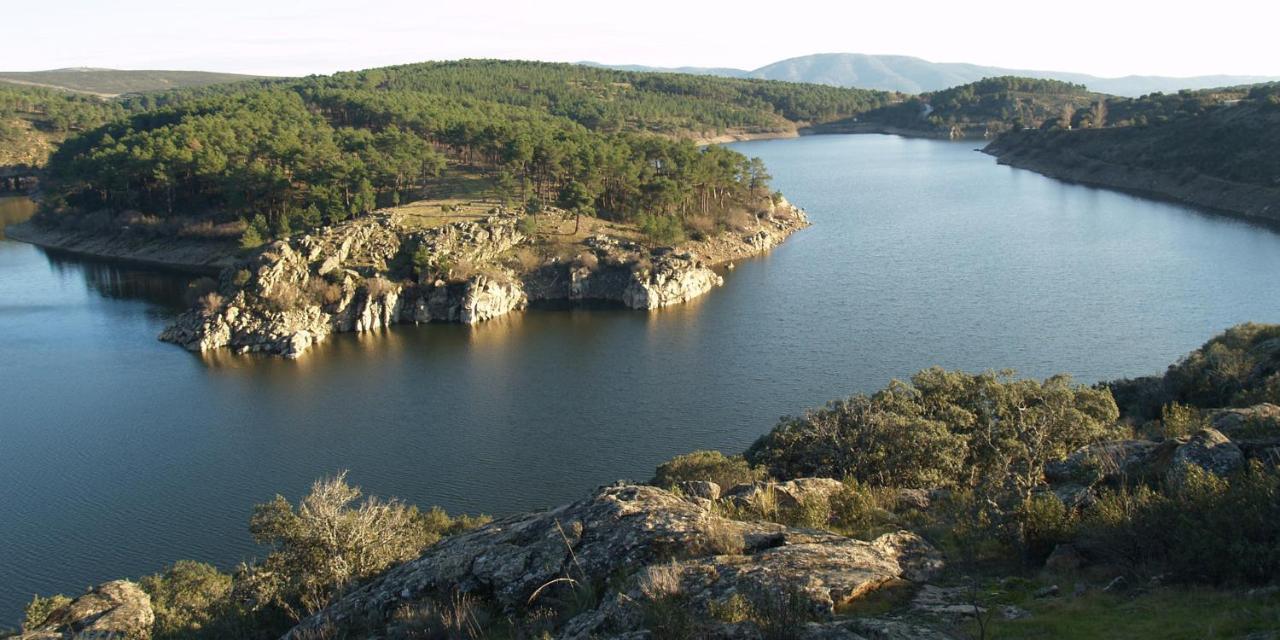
<point>914,75</point>
<point>114,82</point>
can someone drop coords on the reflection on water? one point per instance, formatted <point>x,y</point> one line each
<point>120,454</point>
<point>14,209</point>
<point>118,280</point>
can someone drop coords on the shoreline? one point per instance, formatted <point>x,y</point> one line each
<point>1250,203</point>
<point>193,257</point>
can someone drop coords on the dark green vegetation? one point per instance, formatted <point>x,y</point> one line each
<point>39,112</point>
<point>33,120</point>
<point>1231,135</point>
<point>987,107</point>
<point>943,429</point>
<point>1240,367</point>
<point>112,82</point>
<point>290,155</point>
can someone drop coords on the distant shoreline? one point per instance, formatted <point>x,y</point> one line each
<point>1249,202</point>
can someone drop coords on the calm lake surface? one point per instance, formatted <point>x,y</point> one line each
<point>120,454</point>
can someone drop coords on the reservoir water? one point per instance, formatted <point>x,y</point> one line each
<point>120,454</point>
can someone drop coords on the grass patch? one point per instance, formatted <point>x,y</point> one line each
<point>1168,613</point>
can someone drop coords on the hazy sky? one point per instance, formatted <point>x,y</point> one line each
<point>293,37</point>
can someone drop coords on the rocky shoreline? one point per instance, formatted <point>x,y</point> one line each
<point>355,277</point>
<point>1247,201</point>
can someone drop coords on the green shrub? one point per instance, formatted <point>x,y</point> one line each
<point>1201,529</point>
<point>38,610</point>
<point>1239,367</point>
<point>661,230</point>
<point>1043,523</point>
<point>528,225</point>
<point>942,429</point>
<point>186,598</point>
<point>859,510</point>
<point>712,466</point>
<point>1180,420</point>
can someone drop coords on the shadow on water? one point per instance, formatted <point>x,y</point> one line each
<point>120,281</point>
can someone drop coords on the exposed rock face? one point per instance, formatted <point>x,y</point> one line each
<point>1209,450</point>
<point>300,291</point>
<point>293,294</point>
<point>672,280</point>
<point>118,609</point>
<point>789,495</point>
<point>630,531</point>
<point>1260,420</point>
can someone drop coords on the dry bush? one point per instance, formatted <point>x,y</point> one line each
<point>525,259</point>
<point>660,581</point>
<point>330,541</point>
<point>284,296</point>
<point>587,260</point>
<point>323,292</point>
<point>720,538</point>
<point>703,225</point>
<point>378,286</point>
<point>463,269</point>
<point>201,229</point>
<point>740,220</point>
<point>210,303</point>
<point>461,617</point>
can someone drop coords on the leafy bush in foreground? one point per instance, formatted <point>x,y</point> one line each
<point>942,429</point>
<point>707,465</point>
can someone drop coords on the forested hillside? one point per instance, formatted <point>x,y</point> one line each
<point>296,154</point>
<point>987,107</point>
<point>1218,149</point>
<point>33,120</point>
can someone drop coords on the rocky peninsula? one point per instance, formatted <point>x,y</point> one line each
<point>379,270</point>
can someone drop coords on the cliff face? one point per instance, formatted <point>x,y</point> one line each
<point>353,277</point>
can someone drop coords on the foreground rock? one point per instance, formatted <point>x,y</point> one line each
<point>120,610</point>
<point>638,544</point>
<point>371,273</point>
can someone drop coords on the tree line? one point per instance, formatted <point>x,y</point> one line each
<point>299,153</point>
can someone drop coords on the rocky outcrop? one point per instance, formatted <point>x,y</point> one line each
<point>1074,479</point>
<point>293,294</point>
<point>118,609</point>
<point>370,273</point>
<point>633,537</point>
<point>1209,450</point>
<point>673,279</point>
<point>1258,421</point>
<point>787,495</point>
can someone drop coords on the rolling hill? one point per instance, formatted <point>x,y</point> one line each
<point>114,82</point>
<point>915,75</point>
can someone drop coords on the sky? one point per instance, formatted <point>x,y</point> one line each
<point>295,37</point>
